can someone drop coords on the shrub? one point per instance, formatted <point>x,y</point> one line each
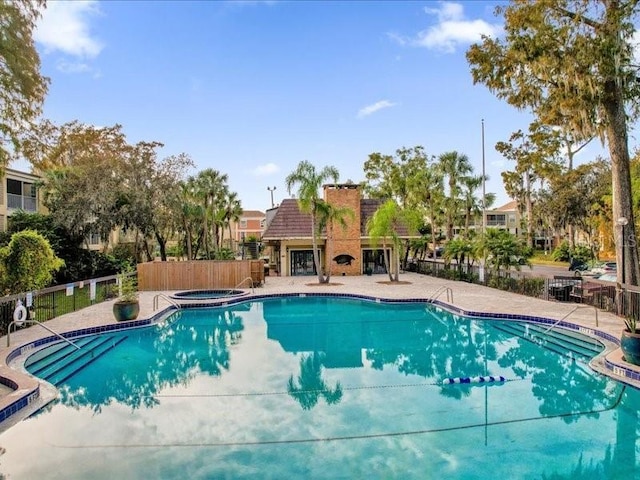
<point>28,262</point>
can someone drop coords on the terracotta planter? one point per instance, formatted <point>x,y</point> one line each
<point>630,345</point>
<point>126,310</point>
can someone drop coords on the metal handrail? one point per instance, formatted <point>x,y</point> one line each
<point>439,291</point>
<point>168,299</point>
<point>35,322</point>
<point>248,278</point>
<point>567,315</point>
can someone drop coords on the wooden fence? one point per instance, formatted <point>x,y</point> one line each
<point>199,274</point>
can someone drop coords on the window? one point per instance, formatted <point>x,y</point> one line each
<point>262,223</point>
<point>243,224</point>
<point>21,195</point>
<point>496,220</point>
<point>94,239</point>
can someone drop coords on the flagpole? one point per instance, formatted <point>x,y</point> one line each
<point>484,213</point>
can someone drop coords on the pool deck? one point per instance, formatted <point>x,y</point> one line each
<point>466,296</point>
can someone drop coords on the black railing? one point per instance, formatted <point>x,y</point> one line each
<point>48,303</point>
<point>606,296</point>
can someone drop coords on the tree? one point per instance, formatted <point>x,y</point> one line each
<point>535,155</point>
<point>232,213</point>
<point>27,263</point>
<point>83,184</point>
<point>503,250</point>
<point>149,202</point>
<point>427,186</point>
<point>382,227</point>
<point>23,87</point>
<point>309,181</point>
<point>474,206</point>
<point>79,263</point>
<point>454,167</point>
<point>211,188</point>
<point>571,63</point>
<point>191,217</point>
<point>410,180</point>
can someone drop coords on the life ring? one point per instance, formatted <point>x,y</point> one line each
<point>19,314</point>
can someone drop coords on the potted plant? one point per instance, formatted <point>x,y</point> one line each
<point>127,306</point>
<point>630,340</point>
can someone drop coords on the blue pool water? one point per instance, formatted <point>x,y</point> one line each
<point>322,387</point>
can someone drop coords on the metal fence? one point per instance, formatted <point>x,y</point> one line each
<point>45,304</point>
<point>620,300</point>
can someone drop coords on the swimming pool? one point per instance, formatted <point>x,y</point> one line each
<point>321,387</point>
<point>207,294</point>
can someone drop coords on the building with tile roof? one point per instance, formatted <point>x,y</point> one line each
<point>288,234</point>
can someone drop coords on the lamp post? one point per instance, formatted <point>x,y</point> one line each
<point>271,190</point>
<point>622,221</point>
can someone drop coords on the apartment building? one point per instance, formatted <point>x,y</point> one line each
<point>18,192</point>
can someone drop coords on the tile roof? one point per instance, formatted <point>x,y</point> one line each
<point>252,213</point>
<point>290,222</point>
<point>509,206</point>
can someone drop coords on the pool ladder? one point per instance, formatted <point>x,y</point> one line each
<point>442,289</point>
<point>165,297</point>
<point>243,281</point>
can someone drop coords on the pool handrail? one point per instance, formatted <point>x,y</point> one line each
<point>167,298</point>
<point>35,322</point>
<point>573,310</point>
<point>238,285</point>
<point>440,290</point>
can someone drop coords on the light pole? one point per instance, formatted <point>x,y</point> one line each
<point>271,190</point>
<point>484,208</point>
<point>622,221</point>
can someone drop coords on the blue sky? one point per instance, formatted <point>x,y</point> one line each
<point>252,88</point>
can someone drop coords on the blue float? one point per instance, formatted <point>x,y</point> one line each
<point>482,379</point>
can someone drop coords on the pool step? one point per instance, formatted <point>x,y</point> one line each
<point>558,340</point>
<point>63,362</point>
<point>51,354</point>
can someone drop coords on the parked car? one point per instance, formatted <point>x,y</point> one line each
<point>438,252</point>
<point>578,266</point>
<point>606,267</point>
<point>608,277</point>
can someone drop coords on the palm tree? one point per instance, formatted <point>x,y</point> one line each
<point>232,213</point>
<point>192,216</point>
<point>428,185</point>
<point>211,186</point>
<point>309,182</point>
<point>474,207</point>
<point>382,227</point>
<point>454,167</point>
<point>328,216</point>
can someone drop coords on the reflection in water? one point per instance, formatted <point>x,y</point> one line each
<point>379,367</point>
<point>311,385</point>
<point>170,355</point>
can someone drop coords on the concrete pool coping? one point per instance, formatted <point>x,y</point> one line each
<point>29,394</point>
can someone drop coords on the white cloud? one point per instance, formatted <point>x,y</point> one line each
<point>266,169</point>
<point>72,67</point>
<point>64,27</point>
<point>370,109</point>
<point>452,30</point>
